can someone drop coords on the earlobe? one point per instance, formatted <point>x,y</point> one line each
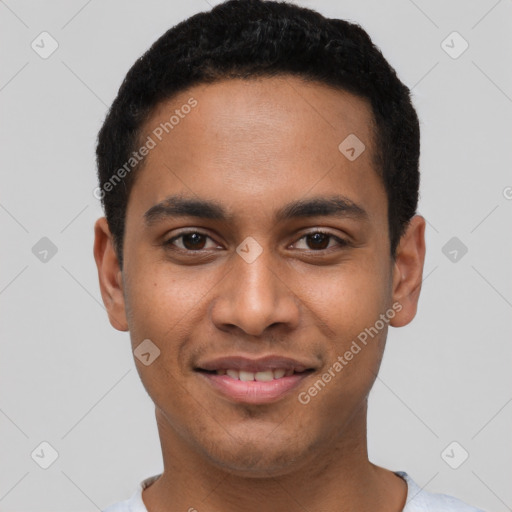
<point>408,271</point>
<point>109,275</point>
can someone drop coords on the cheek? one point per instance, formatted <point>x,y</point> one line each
<point>163,305</point>
<point>347,298</point>
<point>161,300</point>
<point>159,310</point>
<point>349,302</point>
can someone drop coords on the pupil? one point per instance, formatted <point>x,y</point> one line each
<point>193,241</point>
<point>319,239</point>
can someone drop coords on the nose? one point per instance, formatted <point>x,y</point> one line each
<point>255,296</point>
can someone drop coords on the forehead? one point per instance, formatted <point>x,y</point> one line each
<point>249,111</point>
<point>260,139</point>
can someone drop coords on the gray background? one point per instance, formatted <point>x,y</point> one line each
<point>67,377</point>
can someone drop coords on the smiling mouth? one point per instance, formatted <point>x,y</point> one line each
<point>244,381</point>
<point>258,376</point>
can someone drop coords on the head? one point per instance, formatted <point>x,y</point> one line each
<point>259,175</point>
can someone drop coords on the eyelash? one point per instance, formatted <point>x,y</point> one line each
<point>340,241</point>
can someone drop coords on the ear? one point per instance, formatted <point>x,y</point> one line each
<point>110,275</point>
<point>408,271</point>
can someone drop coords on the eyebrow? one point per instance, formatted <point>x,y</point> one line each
<point>179,206</point>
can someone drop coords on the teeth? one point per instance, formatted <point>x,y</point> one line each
<point>264,376</point>
<point>246,376</point>
<point>279,373</point>
<point>232,373</point>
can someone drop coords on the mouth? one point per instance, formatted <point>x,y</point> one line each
<point>254,381</point>
<point>260,376</point>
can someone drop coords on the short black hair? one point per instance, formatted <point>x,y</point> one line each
<point>257,38</point>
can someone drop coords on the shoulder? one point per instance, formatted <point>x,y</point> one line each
<point>419,500</point>
<point>134,503</point>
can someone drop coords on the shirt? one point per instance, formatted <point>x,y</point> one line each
<point>418,500</point>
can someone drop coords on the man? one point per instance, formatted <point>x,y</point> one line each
<point>259,174</point>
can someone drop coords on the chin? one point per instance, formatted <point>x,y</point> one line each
<point>256,465</point>
<point>260,457</point>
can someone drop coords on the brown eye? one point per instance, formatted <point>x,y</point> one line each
<point>318,240</point>
<point>194,241</point>
<point>191,241</point>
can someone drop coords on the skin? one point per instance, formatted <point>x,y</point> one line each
<point>253,147</point>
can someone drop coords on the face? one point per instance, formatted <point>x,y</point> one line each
<point>256,258</point>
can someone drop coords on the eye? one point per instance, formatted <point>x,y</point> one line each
<point>190,241</point>
<point>320,240</point>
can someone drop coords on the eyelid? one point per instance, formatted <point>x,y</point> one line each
<point>187,231</point>
<point>341,242</point>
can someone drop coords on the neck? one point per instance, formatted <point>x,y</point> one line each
<point>336,477</point>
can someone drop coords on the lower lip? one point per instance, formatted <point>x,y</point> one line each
<point>254,392</point>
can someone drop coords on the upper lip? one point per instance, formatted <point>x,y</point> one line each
<point>261,364</point>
